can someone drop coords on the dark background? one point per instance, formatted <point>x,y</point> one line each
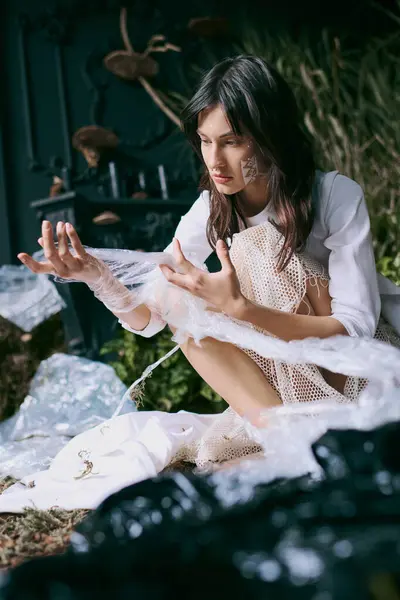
<point>82,32</point>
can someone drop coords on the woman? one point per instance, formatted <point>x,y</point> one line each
<point>244,124</point>
<point>300,265</point>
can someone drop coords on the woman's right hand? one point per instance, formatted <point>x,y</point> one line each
<point>79,266</point>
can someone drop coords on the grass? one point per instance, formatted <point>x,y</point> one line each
<point>44,532</point>
<point>349,99</point>
<point>21,355</point>
<point>35,532</point>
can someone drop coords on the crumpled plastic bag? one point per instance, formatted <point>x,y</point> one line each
<point>68,395</point>
<point>288,436</point>
<point>27,299</point>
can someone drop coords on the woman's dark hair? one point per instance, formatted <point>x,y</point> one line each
<point>258,102</point>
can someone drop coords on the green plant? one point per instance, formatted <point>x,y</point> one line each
<point>390,267</point>
<point>174,386</point>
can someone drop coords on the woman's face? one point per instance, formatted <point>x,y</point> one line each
<point>233,161</point>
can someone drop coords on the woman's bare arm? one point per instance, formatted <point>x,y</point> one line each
<point>319,300</point>
<point>79,266</point>
<point>137,319</point>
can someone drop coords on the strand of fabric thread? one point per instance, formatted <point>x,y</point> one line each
<point>146,373</point>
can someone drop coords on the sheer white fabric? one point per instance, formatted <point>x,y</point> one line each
<point>131,447</point>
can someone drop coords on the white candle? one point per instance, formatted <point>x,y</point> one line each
<point>163,182</point>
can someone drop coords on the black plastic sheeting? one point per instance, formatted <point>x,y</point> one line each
<point>171,537</point>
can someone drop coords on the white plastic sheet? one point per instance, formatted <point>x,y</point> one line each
<point>27,299</point>
<point>68,395</point>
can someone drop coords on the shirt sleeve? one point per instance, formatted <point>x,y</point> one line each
<point>191,233</point>
<point>353,279</point>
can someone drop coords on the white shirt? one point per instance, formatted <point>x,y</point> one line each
<point>340,239</point>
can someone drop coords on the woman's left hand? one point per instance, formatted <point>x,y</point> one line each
<point>221,290</point>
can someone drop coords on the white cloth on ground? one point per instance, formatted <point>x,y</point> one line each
<point>122,451</point>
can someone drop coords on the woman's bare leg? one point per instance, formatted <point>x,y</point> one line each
<point>232,374</point>
<point>236,377</point>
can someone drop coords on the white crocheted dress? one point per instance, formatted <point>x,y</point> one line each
<point>254,253</point>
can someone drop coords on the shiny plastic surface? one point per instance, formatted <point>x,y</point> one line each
<point>68,395</point>
<point>27,299</point>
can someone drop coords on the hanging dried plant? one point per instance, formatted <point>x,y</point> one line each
<point>130,66</point>
<point>133,66</point>
<point>57,187</point>
<point>106,218</point>
<point>92,141</point>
